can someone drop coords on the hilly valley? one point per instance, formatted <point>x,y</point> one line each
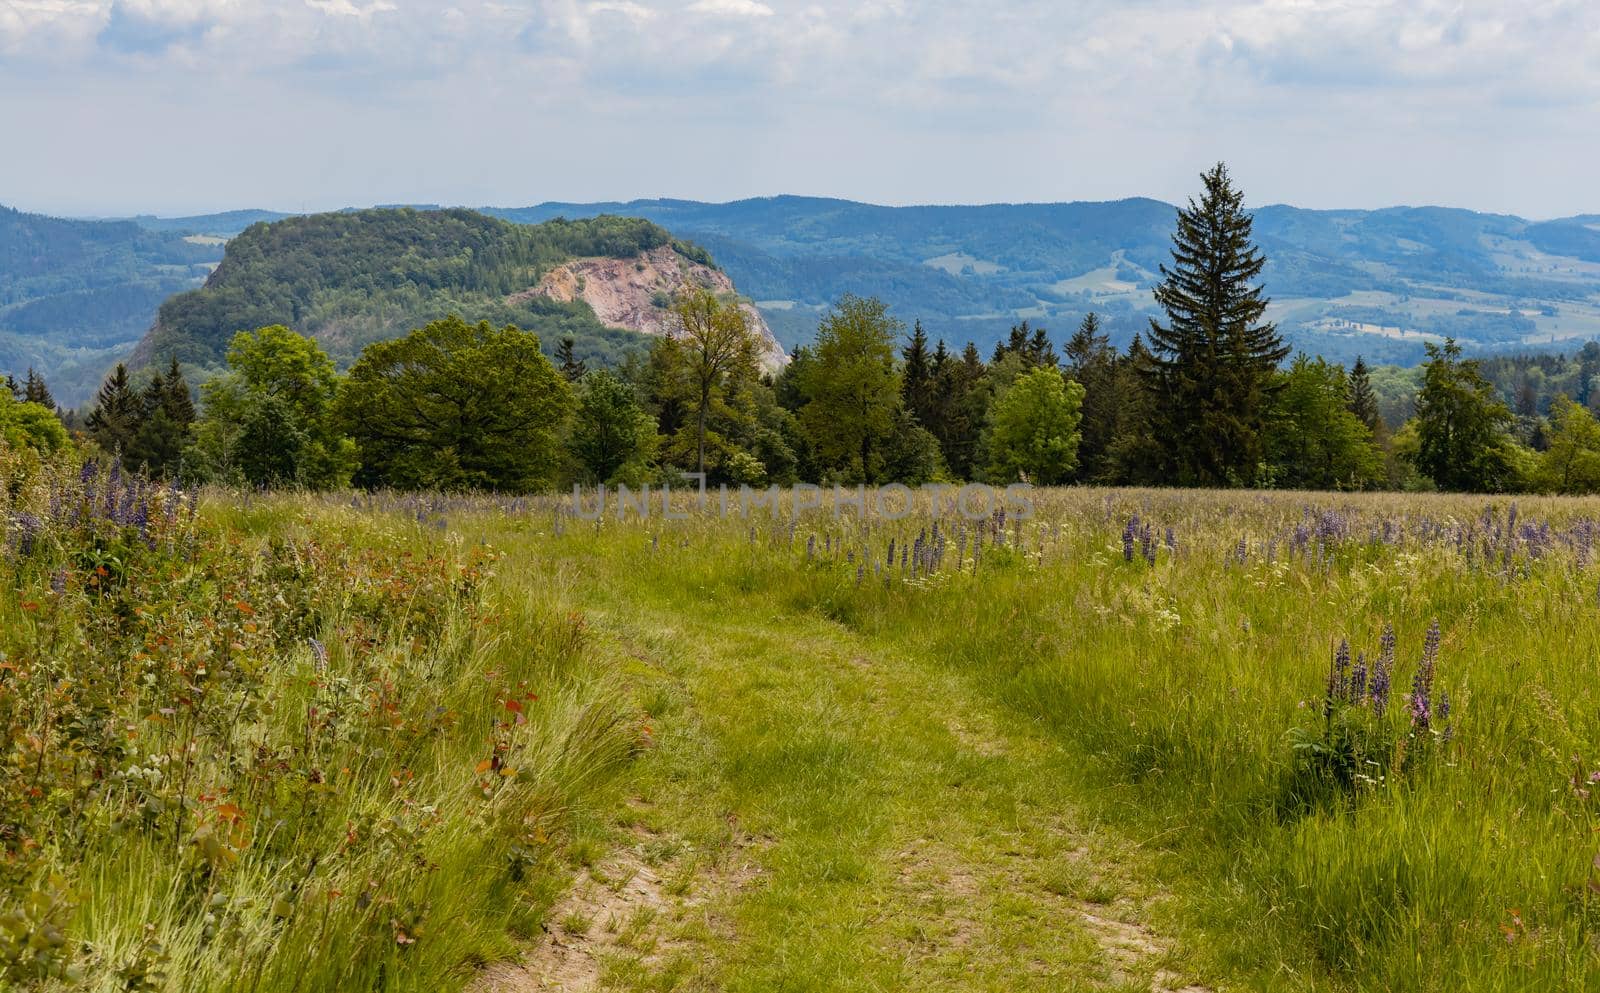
<point>1378,283</point>
<point>75,295</point>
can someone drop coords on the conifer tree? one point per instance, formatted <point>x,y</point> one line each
<point>1363,402</point>
<point>1040,351</point>
<point>963,402</point>
<point>567,361</point>
<point>166,419</point>
<point>34,390</point>
<point>917,377</point>
<point>117,413</point>
<point>1092,363</point>
<point>175,399</point>
<point>1134,457</point>
<point>1214,360</point>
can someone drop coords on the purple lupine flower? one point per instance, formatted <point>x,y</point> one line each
<point>1382,670</point>
<point>320,652</point>
<point>1172,541</point>
<point>1422,683</point>
<point>891,551</point>
<point>1430,649</point>
<point>1127,538</point>
<point>58,581</point>
<point>27,531</point>
<point>1337,677</point>
<point>1358,679</point>
<point>1421,713</point>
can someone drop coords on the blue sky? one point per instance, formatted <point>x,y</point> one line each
<point>174,106</point>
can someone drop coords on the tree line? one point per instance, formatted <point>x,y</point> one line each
<point>1207,396</point>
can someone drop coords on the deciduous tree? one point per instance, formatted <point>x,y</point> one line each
<point>1034,434</point>
<point>853,391</point>
<point>457,406</point>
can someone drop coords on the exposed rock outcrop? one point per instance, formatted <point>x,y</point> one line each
<point>636,293</point>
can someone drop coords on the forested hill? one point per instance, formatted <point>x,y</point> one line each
<point>75,294</point>
<point>353,277</point>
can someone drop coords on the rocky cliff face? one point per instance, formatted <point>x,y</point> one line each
<point>637,293</point>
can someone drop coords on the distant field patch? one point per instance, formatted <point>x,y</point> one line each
<point>957,263</point>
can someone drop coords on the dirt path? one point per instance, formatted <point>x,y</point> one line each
<point>822,815</point>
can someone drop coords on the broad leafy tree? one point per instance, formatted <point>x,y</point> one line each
<point>613,437</point>
<point>1571,463</point>
<point>1315,440</point>
<point>1034,434</point>
<point>714,353</point>
<point>270,420</point>
<point>853,390</point>
<point>457,406</point>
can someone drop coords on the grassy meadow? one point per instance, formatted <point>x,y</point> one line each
<point>382,742</point>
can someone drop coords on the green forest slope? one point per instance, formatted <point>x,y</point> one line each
<point>354,277</point>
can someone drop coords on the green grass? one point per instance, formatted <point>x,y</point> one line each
<point>1054,769</point>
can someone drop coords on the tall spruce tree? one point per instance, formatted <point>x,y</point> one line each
<point>1214,360</point>
<point>166,419</point>
<point>118,411</point>
<point>1363,402</point>
<point>917,383</point>
<point>1040,351</point>
<point>1092,362</point>
<point>34,390</point>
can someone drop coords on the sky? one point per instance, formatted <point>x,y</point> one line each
<point>113,107</point>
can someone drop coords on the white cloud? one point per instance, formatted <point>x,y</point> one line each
<point>361,12</point>
<point>731,8</point>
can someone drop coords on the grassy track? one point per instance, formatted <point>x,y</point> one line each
<point>909,836</point>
